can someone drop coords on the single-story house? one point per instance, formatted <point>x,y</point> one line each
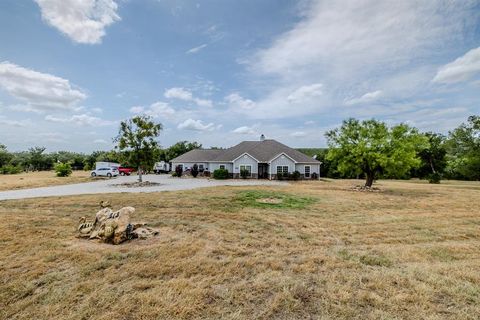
<point>263,159</point>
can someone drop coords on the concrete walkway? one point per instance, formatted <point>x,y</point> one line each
<point>108,186</point>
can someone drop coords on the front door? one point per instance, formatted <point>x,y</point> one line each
<point>262,171</point>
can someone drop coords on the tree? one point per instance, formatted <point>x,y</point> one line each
<point>137,137</point>
<point>433,158</point>
<point>38,160</point>
<point>371,148</point>
<point>5,156</point>
<point>180,148</point>
<point>464,150</point>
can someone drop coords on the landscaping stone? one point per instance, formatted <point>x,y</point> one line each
<point>114,226</point>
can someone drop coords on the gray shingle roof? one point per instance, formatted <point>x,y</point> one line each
<point>263,151</point>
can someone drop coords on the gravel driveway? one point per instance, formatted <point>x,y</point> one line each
<point>167,183</point>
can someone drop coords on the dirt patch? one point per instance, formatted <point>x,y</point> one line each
<point>270,200</point>
<point>137,184</point>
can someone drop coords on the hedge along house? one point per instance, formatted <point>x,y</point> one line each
<point>263,159</point>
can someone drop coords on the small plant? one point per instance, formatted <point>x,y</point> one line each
<point>314,176</point>
<point>279,176</point>
<point>63,169</point>
<point>194,170</point>
<point>244,173</point>
<point>435,178</point>
<point>179,171</point>
<point>206,173</point>
<point>220,174</point>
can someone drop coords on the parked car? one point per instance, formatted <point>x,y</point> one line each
<point>125,171</point>
<point>105,172</point>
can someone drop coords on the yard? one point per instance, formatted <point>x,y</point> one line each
<point>40,179</point>
<point>309,250</point>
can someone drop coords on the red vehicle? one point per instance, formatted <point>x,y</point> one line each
<point>125,171</point>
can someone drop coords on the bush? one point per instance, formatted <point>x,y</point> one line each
<point>295,175</point>
<point>206,173</point>
<point>220,174</point>
<point>63,169</point>
<point>194,171</point>
<point>178,171</point>
<point>279,176</point>
<point>10,169</point>
<point>434,178</point>
<point>314,176</point>
<point>244,173</point>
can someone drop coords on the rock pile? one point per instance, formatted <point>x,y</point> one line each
<point>365,189</point>
<point>114,226</point>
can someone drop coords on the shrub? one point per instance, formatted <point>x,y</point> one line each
<point>174,174</point>
<point>295,175</point>
<point>194,171</point>
<point>11,169</point>
<point>63,169</point>
<point>220,174</point>
<point>244,173</point>
<point>279,176</point>
<point>206,173</point>
<point>434,178</point>
<point>314,176</point>
<point>178,171</point>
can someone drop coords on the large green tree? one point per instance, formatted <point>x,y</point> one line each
<point>5,156</point>
<point>371,148</point>
<point>464,150</point>
<point>137,137</point>
<point>178,149</point>
<point>433,157</point>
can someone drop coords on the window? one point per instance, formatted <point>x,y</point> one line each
<point>201,168</point>
<point>246,167</point>
<point>282,169</point>
<point>222,166</point>
<point>307,171</point>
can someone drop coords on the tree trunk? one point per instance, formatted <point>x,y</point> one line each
<point>431,166</point>
<point>139,174</point>
<point>369,181</point>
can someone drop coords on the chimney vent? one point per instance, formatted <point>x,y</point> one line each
<point>262,137</point>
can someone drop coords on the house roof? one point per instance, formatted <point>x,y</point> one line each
<point>263,151</point>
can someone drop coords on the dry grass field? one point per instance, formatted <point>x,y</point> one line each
<point>313,250</point>
<point>40,179</point>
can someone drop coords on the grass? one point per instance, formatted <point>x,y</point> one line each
<point>409,252</point>
<point>40,179</point>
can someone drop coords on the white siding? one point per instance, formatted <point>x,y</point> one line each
<point>188,165</point>
<point>282,161</point>
<point>300,167</point>
<point>245,160</point>
<point>212,166</point>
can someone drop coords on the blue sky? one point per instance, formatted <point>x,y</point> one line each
<point>219,72</point>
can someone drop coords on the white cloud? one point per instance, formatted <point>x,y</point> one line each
<point>309,122</point>
<point>367,97</point>
<point>244,130</point>
<point>196,49</point>
<point>80,120</point>
<point>235,101</point>
<point>157,110</point>
<point>305,92</point>
<point>14,123</point>
<point>82,21</point>
<point>186,95</point>
<point>196,125</point>
<point>41,91</point>
<point>462,69</point>
<point>100,141</point>
<point>298,134</point>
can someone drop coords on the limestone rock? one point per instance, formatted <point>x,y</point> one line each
<point>114,226</point>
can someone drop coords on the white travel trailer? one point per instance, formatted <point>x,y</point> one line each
<point>161,167</point>
<point>103,164</point>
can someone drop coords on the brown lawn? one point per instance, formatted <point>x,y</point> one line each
<point>40,179</point>
<point>312,250</point>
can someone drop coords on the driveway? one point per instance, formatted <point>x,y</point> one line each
<point>167,183</point>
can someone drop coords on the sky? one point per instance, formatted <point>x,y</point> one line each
<point>224,71</point>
